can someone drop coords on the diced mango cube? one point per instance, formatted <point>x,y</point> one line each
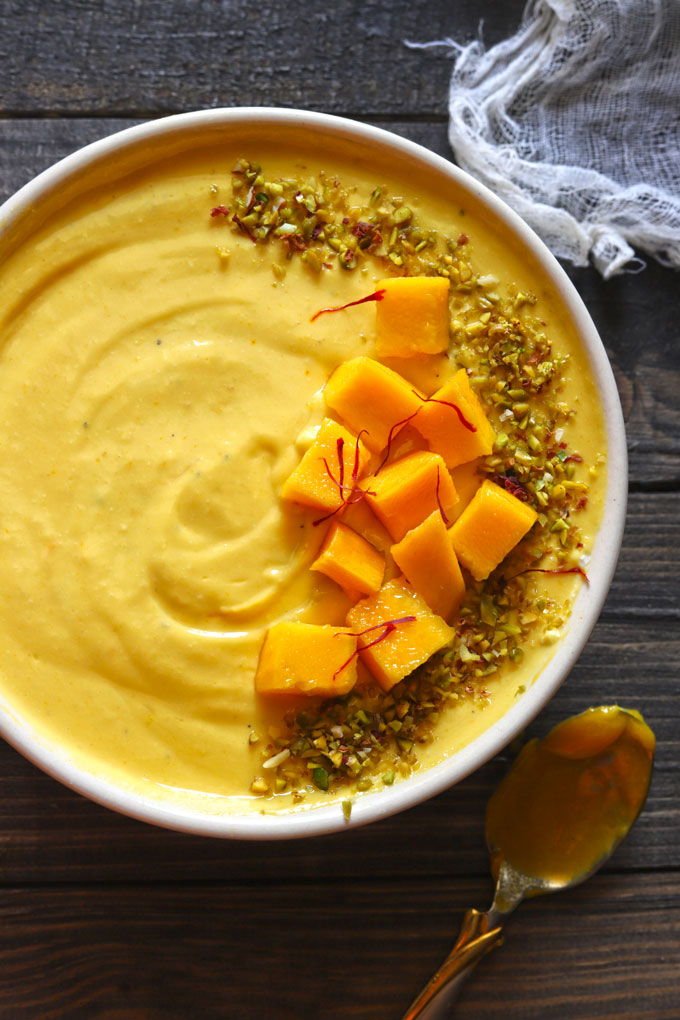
<point>359,516</point>
<point>370,396</point>
<point>491,525</point>
<point>443,430</point>
<point>405,492</point>
<point>426,558</point>
<point>350,561</point>
<point>307,658</point>
<point>311,483</point>
<point>466,480</point>
<point>405,645</point>
<point>413,316</point>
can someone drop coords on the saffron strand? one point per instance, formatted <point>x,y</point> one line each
<point>388,627</point>
<point>377,295</point>
<point>554,570</point>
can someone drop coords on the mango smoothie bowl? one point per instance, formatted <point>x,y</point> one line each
<point>312,469</point>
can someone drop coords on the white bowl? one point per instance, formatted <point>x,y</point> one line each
<point>173,134</point>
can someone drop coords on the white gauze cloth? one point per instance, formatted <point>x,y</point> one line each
<point>575,122</point>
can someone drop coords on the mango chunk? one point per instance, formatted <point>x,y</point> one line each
<point>311,484</point>
<point>406,645</point>
<point>426,558</point>
<point>360,518</point>
<point>413,316</point>
<point>443,430</point>
<point>489,527</point>
<point>404,493</point>
<point>370,396</point>
<point>467,480</point>
<point>350,561</point>
<point>307,658</point>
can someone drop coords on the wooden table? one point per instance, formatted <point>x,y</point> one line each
<point>106,917</point>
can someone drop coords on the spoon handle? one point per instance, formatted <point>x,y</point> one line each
<point>476,938</point>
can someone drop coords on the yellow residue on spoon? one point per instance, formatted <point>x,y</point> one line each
<point>579,810</point>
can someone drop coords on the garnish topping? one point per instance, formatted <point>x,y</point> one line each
<point>377,295</point>
<point>242,227</point>
<point>352,489</point>
<point>367,737</point>
<point>554,570</point>
<point>511,486</point>
<point>447,403</point>
<point>219,210</point>
<point>397,425</point>
<point>439,503</point>
<point>388,627</point>
<point>404,421</point>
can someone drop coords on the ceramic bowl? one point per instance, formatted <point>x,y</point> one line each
<point>174,134</point>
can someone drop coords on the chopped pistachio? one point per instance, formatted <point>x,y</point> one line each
<point>320,777</point>
<point>402,215</point>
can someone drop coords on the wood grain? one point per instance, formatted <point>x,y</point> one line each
<point>153,57</point>
<point>326,949</point>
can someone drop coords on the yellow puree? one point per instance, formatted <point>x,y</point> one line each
<point>151,396</point>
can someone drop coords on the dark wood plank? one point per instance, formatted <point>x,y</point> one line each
<point>327,949</point>
<point>48,833</point>
<point>157,57</point>
<point>647,577</point>
<point>635,316</point>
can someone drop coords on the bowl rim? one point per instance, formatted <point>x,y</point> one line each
<point>371,806</point>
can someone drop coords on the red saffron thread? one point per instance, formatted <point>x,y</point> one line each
<point>219,210</point>
<point>560,570</point>
<point>315,524</point>
<point>242,227</point>
<point>439,502</point>
<point>405,421</point>
<point>340,482</point>
<point>389,627</point>
<point>359,493</point>
<point>355,469</point>
<point>388,448</point>
<point>447,403</point>
<point>377,295</point>
<point>341,461</point>
<point>332,476</point>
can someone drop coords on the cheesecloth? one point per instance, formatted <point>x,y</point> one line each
<point>575,122</point>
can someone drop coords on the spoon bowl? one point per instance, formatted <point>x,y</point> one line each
<point>561,811</point>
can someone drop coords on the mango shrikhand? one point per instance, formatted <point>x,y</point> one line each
<point>211,439</point>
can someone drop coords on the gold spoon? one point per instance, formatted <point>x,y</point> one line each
<point>557,816</point>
